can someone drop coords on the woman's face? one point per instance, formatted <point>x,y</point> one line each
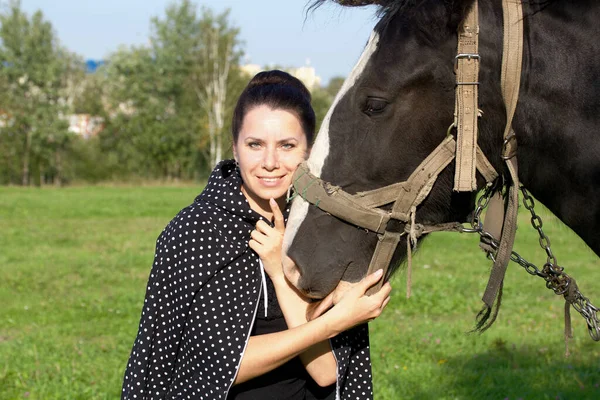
<point>270,145</point>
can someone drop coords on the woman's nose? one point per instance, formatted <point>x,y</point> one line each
<point>271,160</point>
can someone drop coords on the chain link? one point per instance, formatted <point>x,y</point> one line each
<point>556,279</point>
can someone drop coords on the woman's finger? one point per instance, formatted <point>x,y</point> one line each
<point>258,236</point>
<point>369,281</point>
<point>384,292</point>
<point>279,222</point>
<point>321,307</point>
<point>387,300</point>
<point>254,245</point>
<point>262,226</point>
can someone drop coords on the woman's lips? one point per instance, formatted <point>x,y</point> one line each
<point>270,181</point>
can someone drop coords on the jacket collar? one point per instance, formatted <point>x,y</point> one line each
<point>224,190</point>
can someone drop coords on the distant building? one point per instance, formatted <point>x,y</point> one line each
<point>306,74</point>
<point>5,119</point>
<point>251,69</point>
<point>85,125</point>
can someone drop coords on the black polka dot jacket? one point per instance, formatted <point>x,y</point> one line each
<point>201,300</point>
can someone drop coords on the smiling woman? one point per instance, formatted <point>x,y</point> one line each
<point>220,319</point>
<point>269,147</point>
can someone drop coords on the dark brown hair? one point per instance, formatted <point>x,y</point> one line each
<point>279,91</point>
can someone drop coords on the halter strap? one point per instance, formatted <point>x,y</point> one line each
<point>335,201</point>
<point>466,101</point>
<point>361,209</point>
<point>501,219</point>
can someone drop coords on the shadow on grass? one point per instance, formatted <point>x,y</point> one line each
<point>506,372</point>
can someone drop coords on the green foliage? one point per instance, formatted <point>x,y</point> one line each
<point>159,116</point>
<point>35,73</point>
<point>158,120</point>
<point>322,98</point>
<point>90,95</point>
<point>75,263</point>
<point>146,133</point>
<point>321,101</point>
<point>166,106</point>
<point>334,85</point>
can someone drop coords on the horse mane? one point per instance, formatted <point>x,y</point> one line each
<point>387,8</point>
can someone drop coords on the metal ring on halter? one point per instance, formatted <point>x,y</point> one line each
<point>452,126</point>
<point>464,229</point>
<point>511,136</point>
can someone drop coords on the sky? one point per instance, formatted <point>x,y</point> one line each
<point>273,31</point>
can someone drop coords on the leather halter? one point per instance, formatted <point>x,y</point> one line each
<point>363,209</point>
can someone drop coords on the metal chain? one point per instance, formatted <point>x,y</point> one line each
<point>554,275</point>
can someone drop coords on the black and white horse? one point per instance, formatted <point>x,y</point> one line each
<point>396,106</point>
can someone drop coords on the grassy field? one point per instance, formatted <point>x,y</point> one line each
<point>74,263</point>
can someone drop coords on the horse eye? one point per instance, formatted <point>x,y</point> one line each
<point>374,105</point>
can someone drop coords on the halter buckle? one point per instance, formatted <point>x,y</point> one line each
<point>468,56</point>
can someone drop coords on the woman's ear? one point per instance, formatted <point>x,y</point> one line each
<point>235,155</point>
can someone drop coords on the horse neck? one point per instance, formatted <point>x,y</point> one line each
<point>558,120</point>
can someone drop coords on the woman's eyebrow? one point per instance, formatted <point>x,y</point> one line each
<point>289,139</point>
<point>256,139</point>
<point>253,139</point>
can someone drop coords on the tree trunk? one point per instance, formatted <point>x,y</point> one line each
<point>25,175</point>
<point>214,95</point>
<point>58,161</point>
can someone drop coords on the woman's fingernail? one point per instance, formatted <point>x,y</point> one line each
<point>379,272</point>
<point>272,201</point>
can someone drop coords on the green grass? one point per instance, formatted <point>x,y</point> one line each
<point>74,264</point>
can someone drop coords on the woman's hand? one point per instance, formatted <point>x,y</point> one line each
<point>266,241</point>
<point>355,307</point>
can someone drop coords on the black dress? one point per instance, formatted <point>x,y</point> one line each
<point>290,381</point>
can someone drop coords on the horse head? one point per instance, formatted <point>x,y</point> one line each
<point>393,110</point>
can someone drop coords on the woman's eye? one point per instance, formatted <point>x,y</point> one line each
<point>375,105</point>
<point>254,145</point>
<point>288,146</point>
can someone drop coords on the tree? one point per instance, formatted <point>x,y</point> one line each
<point>36,75</point>
<point>89,95</point>
<point>148,126</point>
<point>321,101</point>
<point>334,85</point>
<point>207,48</point>
<point>219,54</point>
<point>168,102</point>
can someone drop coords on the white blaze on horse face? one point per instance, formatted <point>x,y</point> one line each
<point>320,149</point>
<point>319,153</point>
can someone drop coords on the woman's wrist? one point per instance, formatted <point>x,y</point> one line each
<point>278,279</point>
<point>332,326</point>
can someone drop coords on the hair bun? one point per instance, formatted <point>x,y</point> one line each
<point>278,77</point>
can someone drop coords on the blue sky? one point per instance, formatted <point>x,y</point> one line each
<point>274,31</point>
